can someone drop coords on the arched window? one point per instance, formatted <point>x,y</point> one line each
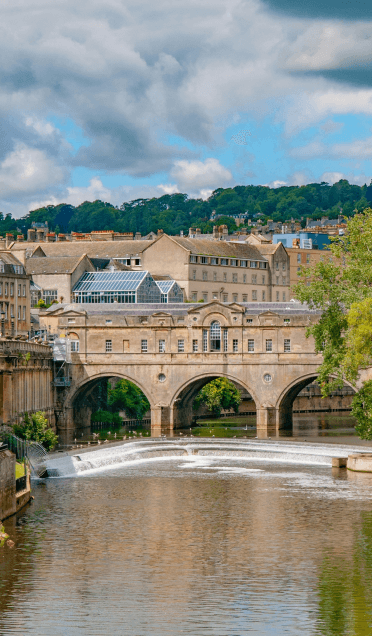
<point>215,336</point>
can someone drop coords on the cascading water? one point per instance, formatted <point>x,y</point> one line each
<point>82,461</point>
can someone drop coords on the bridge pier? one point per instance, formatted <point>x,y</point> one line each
<point>161,420</point>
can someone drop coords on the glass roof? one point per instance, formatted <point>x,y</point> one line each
<point>110,281</point>
<point>165,285</point>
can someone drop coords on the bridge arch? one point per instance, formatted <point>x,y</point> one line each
<point>183,398</point>
<point>85,398</point>
<point>284,404</point>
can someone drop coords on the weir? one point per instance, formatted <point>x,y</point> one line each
<point>82,461</point>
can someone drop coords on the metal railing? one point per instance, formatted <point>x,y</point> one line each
<point>96,426</point>
<point>34,452</point>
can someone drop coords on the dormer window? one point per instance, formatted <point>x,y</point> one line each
<point>193,259</point>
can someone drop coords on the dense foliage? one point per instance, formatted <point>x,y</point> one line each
<point>217,395</point>
<point>175,212</point>
<point>35,428</point>
<point>128,397</point>
<point>342,289</point>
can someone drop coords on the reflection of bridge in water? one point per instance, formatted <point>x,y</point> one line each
<point>171,351</point>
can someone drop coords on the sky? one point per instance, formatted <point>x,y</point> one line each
<point>121,99</point>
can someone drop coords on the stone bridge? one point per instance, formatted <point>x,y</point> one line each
<point>171,351</point>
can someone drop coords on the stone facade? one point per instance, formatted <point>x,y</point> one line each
<point>14,296</point>
<point>8,504</point>
<point>170,353</point>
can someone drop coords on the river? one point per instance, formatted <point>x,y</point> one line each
<point>196,546</point>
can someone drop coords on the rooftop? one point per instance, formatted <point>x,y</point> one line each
<point>110,281</point>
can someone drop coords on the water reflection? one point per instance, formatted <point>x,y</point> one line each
<point>203,546</point>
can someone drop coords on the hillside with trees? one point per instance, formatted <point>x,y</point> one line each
<point>176,212</point>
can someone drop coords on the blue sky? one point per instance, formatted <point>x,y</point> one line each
<point>116,100</point>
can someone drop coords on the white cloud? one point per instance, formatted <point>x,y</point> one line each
<point>359,149</point>
<point>194,176</point>
<point>27,170</point>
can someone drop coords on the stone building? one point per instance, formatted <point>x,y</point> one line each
<point>55,276</point>
<point>14,296</point>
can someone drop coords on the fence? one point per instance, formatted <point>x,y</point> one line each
<point>97,426</point>
<point>23,449</point>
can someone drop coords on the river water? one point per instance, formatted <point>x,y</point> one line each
<point>197,546</point>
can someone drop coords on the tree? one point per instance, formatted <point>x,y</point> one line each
<point>341,289</point>
<point>217,395</point>
<point>127,396</point>
<point>35,428</point>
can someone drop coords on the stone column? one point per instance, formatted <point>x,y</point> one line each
<point>266,421</point>
<point>66,426</point>
<point>161,420</point>
<point>7,396</point>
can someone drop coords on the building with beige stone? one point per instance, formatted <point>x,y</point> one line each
<point>14,296</point>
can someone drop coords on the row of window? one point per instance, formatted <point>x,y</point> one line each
<point>9,311</point>
<point>234,279</point>
<point>8,289</point>
<point>17,269</point>
<point>209,344</point>
<point>244,298</point>
<point>233,262</point>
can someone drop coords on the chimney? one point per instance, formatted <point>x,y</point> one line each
<point>51,237</point>
<point>160,232</point>
<point>8,240</point>
<point>191,231</point>
<point>181,233</point>
<point>39,235</point>
<point>225,232</point>
<point>20,238</point>
<point>198,231</point>
<point>31,235</point>
<point>61,237</point>
<point>137,236</point>
<point>216,234</point>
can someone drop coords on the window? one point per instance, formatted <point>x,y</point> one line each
<point>250,345</point>
<point>137,261</point>
<point>249,320</point>
<point>24,290</point>
<point>225,341</point>
<point>194,296</point>
<point>193,259</point>
<point>204,260</point>
<point>24,313</point>
<point>205,275</point>
<point>235,345</point>
<point>269,345</point>
<point>225,298</point>
<point>245,298</point>
<point>277,280</point>
<point>244,278</point>
<point>277,266</point>
<point>71,320</point>
<point>194,274</point>
<point>12,289</point>
<point>235,298</point>
<point>233,262</point>
<point>283,297</point>
<point>224,277</point>
<point>263,280</point>
<point>243,263</point>
<point>254,279</point>
<point>298,258</point>
<point>49,295</point>
<point>215,295</point>
<point>19,290</point>
<point>284,266</point>
<point>163,298</point>
<point>287,346</point>
<point>253,264</point>
<point>263,265</point>
<point>12,311</point>
<point>287,321</point>
<point>284,280</point>
<point>277,296</point>
<point>108,346</point>
<point>214,275</point>
<point>19,312</point>
<point>1,289</point>
<point>161,346</point>
<point>254,294</point>
<point>215,336</point>
<point>205,340</point>
<point>214,261</point>
<point>235,278</point>
<point>205,296</point>
<point>224,261</point>
<point>6,289</point>
<point>263,295</point>
<point>143,346</point>
<point>195,346</point>
<point>181,346</point>
<point>75,345</point>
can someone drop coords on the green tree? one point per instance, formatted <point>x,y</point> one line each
<point>341,289</point>
<point>127,396</point>
<point>35,428</point>
<point>217,395</point>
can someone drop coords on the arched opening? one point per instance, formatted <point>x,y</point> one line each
<point>301,410</point>
<point>109,402</point>
<point>186,416</point>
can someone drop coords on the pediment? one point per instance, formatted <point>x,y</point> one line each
<point>237,308</point>
<point>213,304</point>
<point>161,314</point>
